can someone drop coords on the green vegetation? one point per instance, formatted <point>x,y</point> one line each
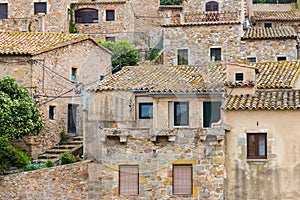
<point>170,2</point>
<point>72,27</point>
<point>67,158</point>
<point>124,53</point>
<point>11,156</point>
<point>19,115</point>
<point>152,54</point>
<point>63,137</point>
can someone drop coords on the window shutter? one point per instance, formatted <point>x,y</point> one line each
<point>182,179</point>
<point>3,11</point>
<point>128,179</point>
<point>212,6</point>
<point>40,7</point>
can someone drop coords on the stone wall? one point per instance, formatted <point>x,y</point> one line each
<point>272,7</point>
<point>61,182</point>
<point>155,154</point>
<point>199,39</point>
<point>268,50</point>
<point>21,16</point>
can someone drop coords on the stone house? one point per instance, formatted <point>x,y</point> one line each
<point>55,68</point>
<point>262,147</point>
<point>259,44</point>
<point>158,128</point>
<point>35,15</point>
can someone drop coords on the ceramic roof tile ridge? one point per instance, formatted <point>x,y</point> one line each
<point>269,33</point>
<point>276,16</point>
<point>36,42</point>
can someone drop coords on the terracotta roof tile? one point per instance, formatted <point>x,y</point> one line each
<point>166,79</point>
<point>269,33</point>
<point>276,16</point>
<point>33,43</point>
<point>262,100</point>
<point>273,75</point>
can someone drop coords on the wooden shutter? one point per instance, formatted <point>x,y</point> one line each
<point>256,145</point>
<point>182,57</point>
<point>3,11</point>
<point>128,180</point>
<point>110,15</point>
<point>182,179</point>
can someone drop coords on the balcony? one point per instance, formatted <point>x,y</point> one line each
<point>196,18</point>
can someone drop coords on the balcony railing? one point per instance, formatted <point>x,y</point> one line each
<point>212,16</point>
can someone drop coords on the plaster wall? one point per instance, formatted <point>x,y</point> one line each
<point>274,178</point>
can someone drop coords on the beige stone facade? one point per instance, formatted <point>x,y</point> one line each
<point>48,76</point>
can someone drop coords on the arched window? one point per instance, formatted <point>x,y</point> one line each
<point>212,6</point>
<point>86,15</point>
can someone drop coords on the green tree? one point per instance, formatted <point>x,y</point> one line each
<point>170,2</point>
<point>124,54</point>
<point>19,115</point>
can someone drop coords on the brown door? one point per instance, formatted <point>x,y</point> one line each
<point>72,118</point>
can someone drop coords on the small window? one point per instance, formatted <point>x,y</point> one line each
<point>73,74</point>
<point>251,59</point>
<point>86,15</point>
<point>268,25</point>
<point>281,58</point>
<point>128,180</point>
<point>256,145</point>
<point>52,112</point>
<point>110,15</point>
<point>212,6</point>
<point>40,7</point>
<point>215,54</point>
<point>211,113</point>
<point>181,113</point>
<point>239,76</point>
<point>182,57</point>
<point>111,39</point>
<point>145,110</point>
<point>3,10</point>
<point>182,179</point>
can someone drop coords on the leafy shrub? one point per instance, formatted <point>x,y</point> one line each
<point>63,137</point>
<point>170,2</point>
<point>49,163</point>
<point>31,167</point>
<point>67,158</point>
<point>152,54</point>
<point>10,156</point>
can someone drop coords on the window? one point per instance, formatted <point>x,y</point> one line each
<point>281,58</point>
<point>3,10</point>
<point>182,179</point>
<point>111,39</point>
<point>40,7</point>
<point>256,145</point>
<point>73,74</point>
<point>212,6</point>
<point>145,110</point>
<point>128,180</point>
<point>215,54</point>
<point>211,113</point>
<point>239,76</point>
<point>268,25</point>
<point>251,59</point>
<point>52,111</point>
<point>110,15</point>
<point>86,15</point>
<point>182,57</point>
<point>181,113</point>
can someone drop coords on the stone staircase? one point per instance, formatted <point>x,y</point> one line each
<point>73,145</point>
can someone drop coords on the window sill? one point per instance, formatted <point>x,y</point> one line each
<point>257,161</point>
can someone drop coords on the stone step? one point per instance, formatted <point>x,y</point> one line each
<point>58,151</point>
<point>45,160</point>
<point>74,142</point>
<point>49,156</point>
<point>77,138</point>
<point>66,146</point>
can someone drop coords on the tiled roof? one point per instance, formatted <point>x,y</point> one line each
<point>166,79</point>
<point>34,43</point>
<point>101,2</point>
<point>269,33</point>
<point>276,16</point>
<point>277,74</point>
<point>271,100</point>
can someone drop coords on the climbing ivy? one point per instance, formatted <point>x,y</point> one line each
<point>72,27</point>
